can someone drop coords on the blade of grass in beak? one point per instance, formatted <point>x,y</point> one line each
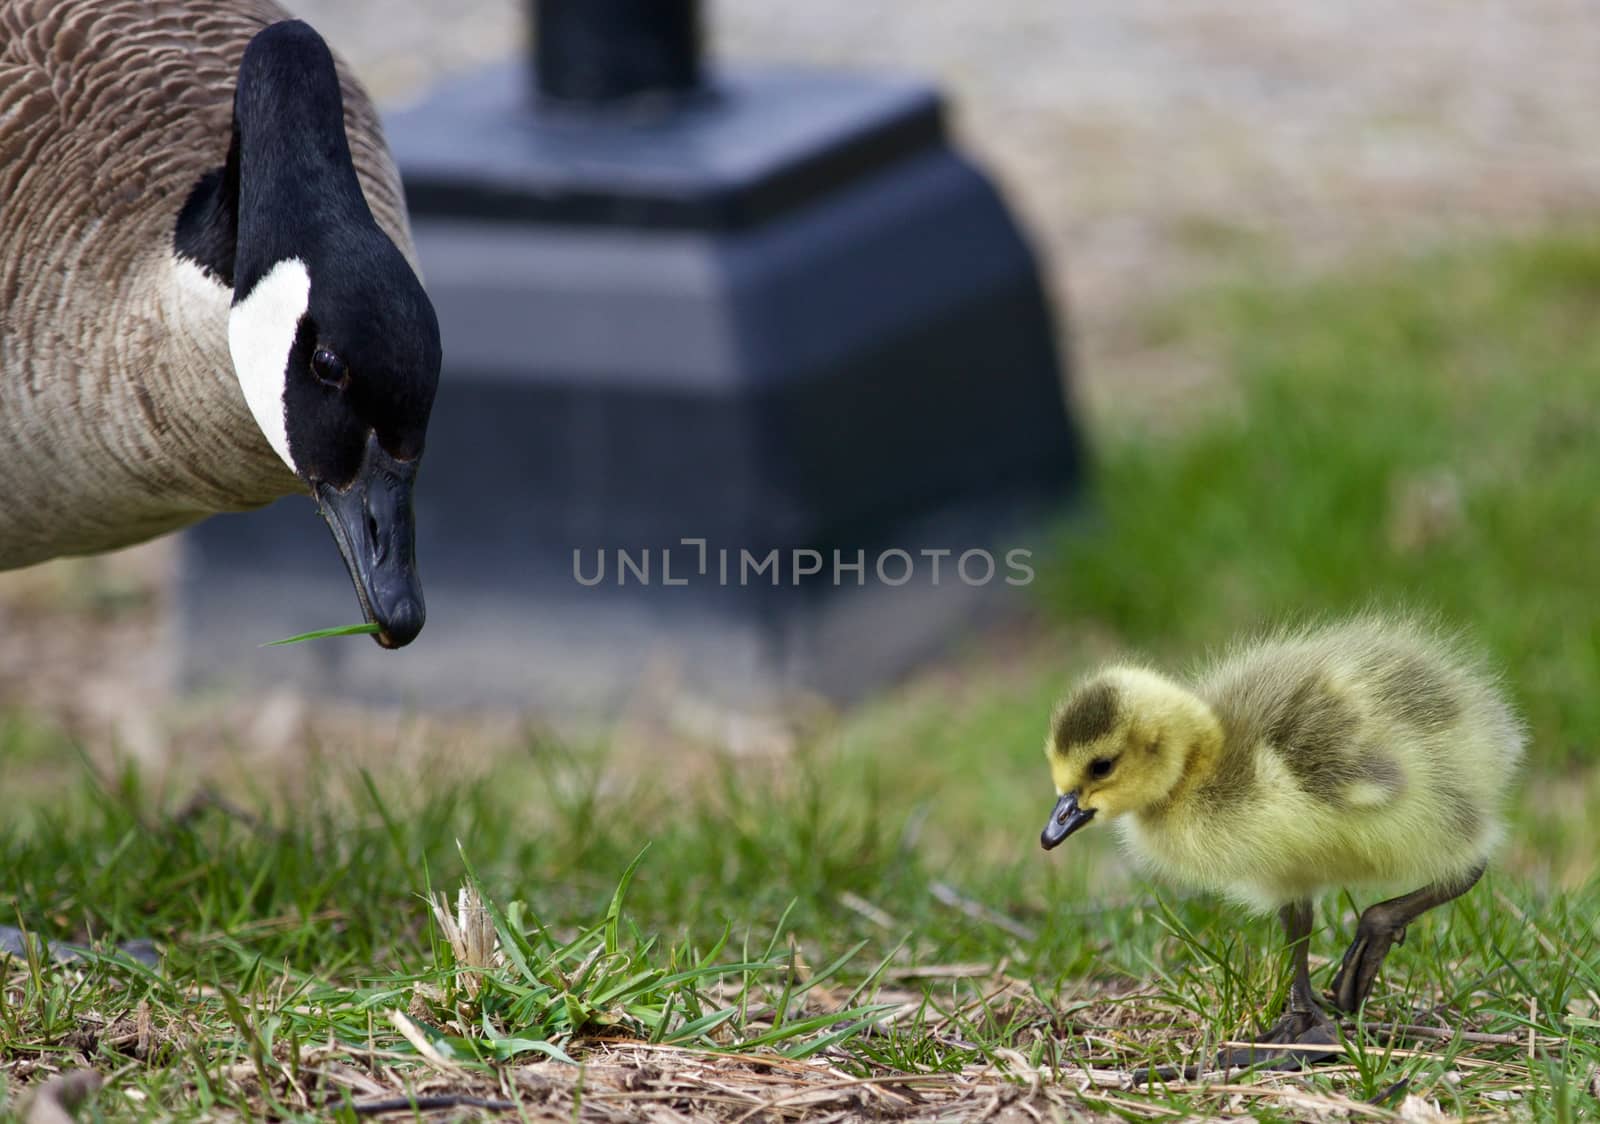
<point>365,629</point>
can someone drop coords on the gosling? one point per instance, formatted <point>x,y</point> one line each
<point>1371,751</point>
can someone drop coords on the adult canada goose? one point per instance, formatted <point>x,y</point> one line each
<point>207,288</point>
<point>1366,752</point>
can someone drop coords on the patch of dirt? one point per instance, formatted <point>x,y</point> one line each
<point>1098,1035</point>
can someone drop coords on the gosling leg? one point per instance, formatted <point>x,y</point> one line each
<point>1382,925</point>
<point>1303,1022</point>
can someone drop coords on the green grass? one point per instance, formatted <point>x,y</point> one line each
<point>364,629</point>
<point>867,926</point>
<point>293,940</point>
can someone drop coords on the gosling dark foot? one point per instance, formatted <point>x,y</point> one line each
<point>1352,983</point>
<point>1298,1028</point>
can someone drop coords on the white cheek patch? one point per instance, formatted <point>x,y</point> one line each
<point>261,331</point>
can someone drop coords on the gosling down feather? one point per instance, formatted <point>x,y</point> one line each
<point>1368,752</point>
<point>208,293</point>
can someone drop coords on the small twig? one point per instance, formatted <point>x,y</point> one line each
<point>766,1061</point>
<point>950,896</point>
<point>953,1041</point>
<point>1441,1034</point>
<point>852,1083</point>
<point>422,1104</point>
<point>1289,1047</point>
<point>419,1041</point>
<point>1329,1051</point>
<point>941,971</point>
<point>1461,1060</point>
<point>678,1093</point>
<point>351,1079</point>
<point>1302,1097</point>
<point>1143,1107</point>
<point>859,904</point>
<point>1275,1057</point>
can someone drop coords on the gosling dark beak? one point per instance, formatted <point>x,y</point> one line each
<point>372,522</point>
<point>1064,820</point>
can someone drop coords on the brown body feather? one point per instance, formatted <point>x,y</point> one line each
<point>120,414</point>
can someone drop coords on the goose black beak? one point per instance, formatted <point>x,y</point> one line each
<point>372,522</point>
<point>1066,818</point>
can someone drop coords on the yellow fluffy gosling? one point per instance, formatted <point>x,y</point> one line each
<point>1366,752</point>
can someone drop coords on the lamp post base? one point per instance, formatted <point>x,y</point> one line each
<point>786,320</point>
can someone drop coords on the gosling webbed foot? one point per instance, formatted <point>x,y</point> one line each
<point>1298,1027</point>
<point>1306,1027</point>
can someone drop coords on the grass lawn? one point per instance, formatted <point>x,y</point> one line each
<point>866,927</point>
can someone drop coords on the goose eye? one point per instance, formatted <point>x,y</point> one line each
<point>329,368</point>
<point>1100,768</point>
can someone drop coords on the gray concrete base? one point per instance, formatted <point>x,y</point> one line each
<point>787,316</point>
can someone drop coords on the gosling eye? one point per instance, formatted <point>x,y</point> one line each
<point>1101,767</point>
<point>329,368</point>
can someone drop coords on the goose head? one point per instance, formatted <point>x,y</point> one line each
<point>334,342</point>
<point>1123,742</point>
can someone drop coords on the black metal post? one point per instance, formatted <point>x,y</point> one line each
<point>596,51</point>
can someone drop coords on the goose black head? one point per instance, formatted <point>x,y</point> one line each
<point>333,339</point>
